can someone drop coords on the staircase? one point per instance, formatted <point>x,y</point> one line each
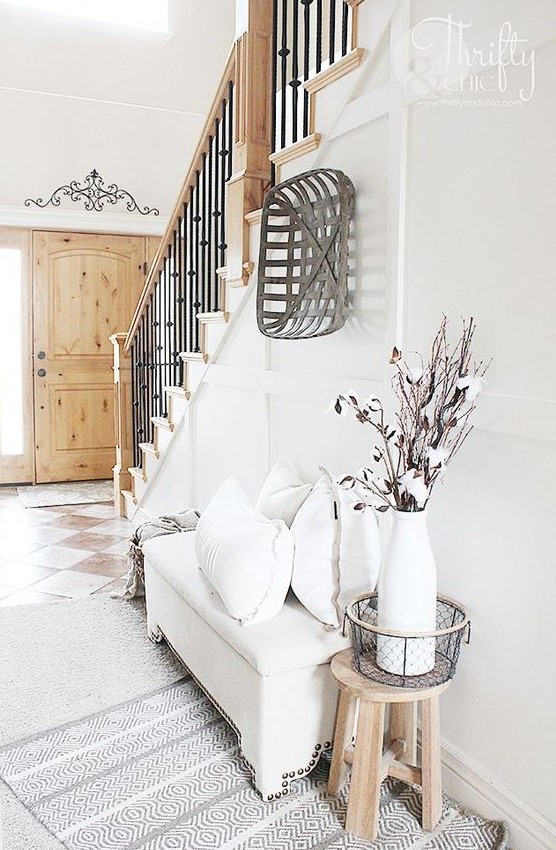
<point>261,124</point>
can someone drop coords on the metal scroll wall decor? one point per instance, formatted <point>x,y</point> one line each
<point>93,194</point>
<point>303,263</point>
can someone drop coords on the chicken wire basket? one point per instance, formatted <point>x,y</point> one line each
<point>406,659</point>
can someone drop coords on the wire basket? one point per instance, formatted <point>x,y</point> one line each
<point>397,658</point>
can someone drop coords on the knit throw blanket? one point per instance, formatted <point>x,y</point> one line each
<point>157,527</point>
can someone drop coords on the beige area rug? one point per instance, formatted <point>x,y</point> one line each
<point>72,493</point>
<point>160,770</point>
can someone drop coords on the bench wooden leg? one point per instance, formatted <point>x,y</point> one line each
<point>366,777</point>
<point>431,782</point>
<point>342,739</point>
<point>403,724</point>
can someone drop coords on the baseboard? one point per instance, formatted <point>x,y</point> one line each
<point>462,780</point>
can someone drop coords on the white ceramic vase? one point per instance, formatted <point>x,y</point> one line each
<point>407,589</point>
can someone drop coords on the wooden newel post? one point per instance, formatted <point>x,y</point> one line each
<point>123,420</point>
<point>253,119</point>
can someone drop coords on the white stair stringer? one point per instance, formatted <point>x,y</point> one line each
<point>215,328</point>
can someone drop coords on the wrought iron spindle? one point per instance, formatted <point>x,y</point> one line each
<point>198,282</point>
<point>306,61</point>
<point>217,211</point>
<point>345,28</point>
<point>135,416</point>
<point>190,277</point>
<point>318,57</point>
<point>295,82</point>
<point>284,53</point>
<point>332,32</point>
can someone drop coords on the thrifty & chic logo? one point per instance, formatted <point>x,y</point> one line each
<point>438,59</point>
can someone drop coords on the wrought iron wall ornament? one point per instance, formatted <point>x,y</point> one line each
<point>94,195</point>
<point>303,262</point>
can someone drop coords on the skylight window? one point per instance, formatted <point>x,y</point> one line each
<point>146,15</point>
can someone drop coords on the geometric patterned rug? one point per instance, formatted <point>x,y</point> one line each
<point>71,493</point>
<point>163,772</point>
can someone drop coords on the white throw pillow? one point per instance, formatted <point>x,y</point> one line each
<point>282,493</point>
<point>246,557</point>
<point>337,551</point>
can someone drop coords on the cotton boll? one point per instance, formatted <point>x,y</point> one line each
<point>414,375</point>
<point>415,486</point>
<point>436,457</point>
<point>471,385</point>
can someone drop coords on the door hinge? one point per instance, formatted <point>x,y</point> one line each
<point>145,268</point>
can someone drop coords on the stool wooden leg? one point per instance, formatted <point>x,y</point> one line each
<point>342,739</point>
<point>366,777</point>
<point>431,782</point>
<point>403,724</point>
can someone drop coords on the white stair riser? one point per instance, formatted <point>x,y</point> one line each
<point>177,405</point>
<point>129,506</point>
<point>214,333</point>
<point>150,463</point>
<point>162,438</point>
<point>195,372</point>
<point>139,487</point>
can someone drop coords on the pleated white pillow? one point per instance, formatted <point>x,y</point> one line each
<point>337,551</point>
<point>247,558</point>
<point>282,493</point>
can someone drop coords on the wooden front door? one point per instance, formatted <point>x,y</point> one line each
<point>85,287</point>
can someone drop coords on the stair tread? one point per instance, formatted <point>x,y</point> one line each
<point>150,449</point>
<point>181,392</point>
<point>162,422</point>
<point>194,356</point>
<point>127,494</point>
<point>218,317</point>
<point>137,472</point>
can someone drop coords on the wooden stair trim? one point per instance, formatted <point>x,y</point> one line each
<point>149,449</point>
<point>215,318</point>
<point>194,356</point>
<point>178,392</point>
<point>163,423</point>
<point>128,496</point>
<point>254,217</point>
<point>306,145</point>
<point>137,472</point>
<point>335,71</point>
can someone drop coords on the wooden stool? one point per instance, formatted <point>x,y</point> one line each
<point>370,765</point>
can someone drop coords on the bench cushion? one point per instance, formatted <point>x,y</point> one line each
<point>292,640</point>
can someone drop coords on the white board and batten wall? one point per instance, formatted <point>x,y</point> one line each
<point>455,212</point>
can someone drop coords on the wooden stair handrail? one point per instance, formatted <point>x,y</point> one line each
<point>228,76</point>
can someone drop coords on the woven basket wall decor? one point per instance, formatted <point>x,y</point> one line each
<point>302,287</point>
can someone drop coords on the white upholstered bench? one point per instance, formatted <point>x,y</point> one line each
<point>270,680</point>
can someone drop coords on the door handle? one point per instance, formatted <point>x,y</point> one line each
<point>41,373</point>
<point>41,355</point>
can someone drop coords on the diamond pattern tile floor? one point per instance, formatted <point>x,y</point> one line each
<point>66,551</point>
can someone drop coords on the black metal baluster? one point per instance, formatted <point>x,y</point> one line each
<point>295,82</point>
<point>149,370</point>
<point>144,379</point>
<point>223,172</point>
<point>190,276</point>
<point>198,282</point>
<point>216,213</point>
<point>203,239</point>
<point>180,303</point>
<point>318,58</point>
<point>139,396</point>
<point>159,344</point>
<point>332,32</point>
<point>283,53</point>
<point>135,399</point>
<point>211,302</point>
<point>306,61</point>
<point>345,27</point>
<point>230,146</point>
